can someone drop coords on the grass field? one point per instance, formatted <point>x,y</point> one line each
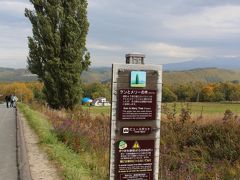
<point>94,110</point>
<point>201,148</point>
<point>205,149</point>
<point>208,108</point>
<point>195,108</point>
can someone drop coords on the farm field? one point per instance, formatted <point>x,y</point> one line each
<point>208,109</point>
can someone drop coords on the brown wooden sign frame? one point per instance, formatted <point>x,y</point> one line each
<point>121,77</point>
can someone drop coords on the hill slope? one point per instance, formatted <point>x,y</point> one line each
<point>10,75</point>
<point>203,75</point>
<point>104,75</point>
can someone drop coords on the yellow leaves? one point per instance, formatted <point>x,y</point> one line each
<point>22,90</point>
<point>36,85</point>
<point>207,90</point>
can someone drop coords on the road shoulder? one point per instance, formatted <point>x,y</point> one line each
<point>40,166</point>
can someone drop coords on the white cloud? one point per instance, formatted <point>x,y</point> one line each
<point>14,29</point>
<point>103,46</point>
<point>18,53</point>
<point>13,46</point>
<point>14,6</point>
<point>94,4</point>
<point>176,30</point>
<point>172,51</point>
<point>13,57</point>
<point>215,22</point>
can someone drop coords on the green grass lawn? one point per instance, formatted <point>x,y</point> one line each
<point>208,108</point>
<point>94,110</point>
<point>196,108</point>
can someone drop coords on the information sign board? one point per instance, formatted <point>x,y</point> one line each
<point>135,159</point>
<point>135,120</point>
<point>137,104</point>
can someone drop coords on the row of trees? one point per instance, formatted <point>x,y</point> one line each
<point>204,92</point>
<point>189,92</point>
<point>33,91</point>
<point>25,92</point>
<point>96,90</point>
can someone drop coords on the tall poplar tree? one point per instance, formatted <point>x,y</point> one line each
<point>137,79</point>
<point>57,49</point>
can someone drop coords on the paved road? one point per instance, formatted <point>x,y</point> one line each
<point>8,150</point>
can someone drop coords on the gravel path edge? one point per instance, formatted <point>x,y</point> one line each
<point>22,156</point>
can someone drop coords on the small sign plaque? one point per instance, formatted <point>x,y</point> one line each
<point>134,159</point>
<point>136,130</point>
<point>137,104</point>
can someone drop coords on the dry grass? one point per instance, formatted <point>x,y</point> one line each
<point>193,146</point>
<point>82,133</point>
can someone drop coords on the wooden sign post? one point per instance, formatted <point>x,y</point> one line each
<point>135,119</point>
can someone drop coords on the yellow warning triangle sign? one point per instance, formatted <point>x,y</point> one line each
<point>136,145</point>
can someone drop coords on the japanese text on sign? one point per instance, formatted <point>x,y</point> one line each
<point>135,159</point>
<point>137,104</point>
<point>137,130</point>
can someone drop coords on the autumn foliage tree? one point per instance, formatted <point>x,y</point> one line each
<point>204,92</point>
<point>19,89</point>
<point>57,49</point>
<point>37,90</point>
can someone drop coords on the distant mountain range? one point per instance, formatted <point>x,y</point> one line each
<point>205,70</point>
<point>222,63</point>
<point>200,74</point>
<point>10,75</point>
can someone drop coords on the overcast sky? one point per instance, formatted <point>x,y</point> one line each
<point>166,31</point>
